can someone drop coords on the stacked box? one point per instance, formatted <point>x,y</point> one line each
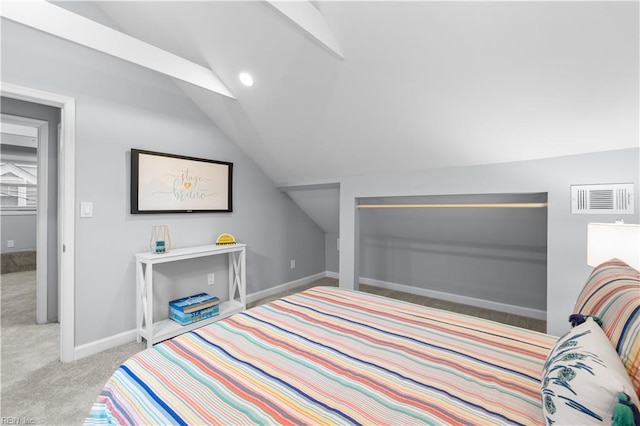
<point>194,308</point>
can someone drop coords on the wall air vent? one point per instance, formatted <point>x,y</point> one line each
<point>614,198</point>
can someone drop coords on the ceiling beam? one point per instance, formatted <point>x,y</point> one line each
<point>62,23</point>
<point>307,17</point>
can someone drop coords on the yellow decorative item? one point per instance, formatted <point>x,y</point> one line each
<point>225,239</point>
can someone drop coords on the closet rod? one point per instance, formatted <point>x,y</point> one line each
<point>457,206</point>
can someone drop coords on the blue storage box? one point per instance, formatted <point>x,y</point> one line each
<point>194,308</point>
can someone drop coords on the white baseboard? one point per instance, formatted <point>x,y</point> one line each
<point>101,345</point>
<point>480,303</point>
<point>284,287</point>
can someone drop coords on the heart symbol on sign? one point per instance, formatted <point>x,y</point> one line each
<point>187,185</point>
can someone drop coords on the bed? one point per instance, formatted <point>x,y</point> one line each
<point>334,356</point>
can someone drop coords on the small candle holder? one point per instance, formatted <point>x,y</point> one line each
<point>160,239</point>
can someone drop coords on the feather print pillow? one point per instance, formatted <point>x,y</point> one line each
<point>582,377</point>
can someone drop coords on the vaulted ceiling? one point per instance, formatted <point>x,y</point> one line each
<point>421,85</point>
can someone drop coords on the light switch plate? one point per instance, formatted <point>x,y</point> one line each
<point>86,209</point>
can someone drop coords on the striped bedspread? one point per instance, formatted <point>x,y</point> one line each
<point>331,356</point>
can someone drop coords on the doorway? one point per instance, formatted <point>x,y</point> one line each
<point>63,253</point>
<point>25,189</point>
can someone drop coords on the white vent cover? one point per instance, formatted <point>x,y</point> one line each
<point>614,198</point>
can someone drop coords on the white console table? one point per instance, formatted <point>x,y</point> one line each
<point>162,330</point>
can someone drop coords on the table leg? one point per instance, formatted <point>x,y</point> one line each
<point>233,282</point>
<point>144,316</point>
<point>149,304</point>
<point>139,301</point>
<point>240,280</point>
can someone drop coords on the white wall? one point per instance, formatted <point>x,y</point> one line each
<point>122,106</point>
<point>567,233</point>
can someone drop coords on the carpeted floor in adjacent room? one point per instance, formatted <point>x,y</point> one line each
<point>36,388</point>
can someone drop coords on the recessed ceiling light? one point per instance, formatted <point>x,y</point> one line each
<point>246,79</point>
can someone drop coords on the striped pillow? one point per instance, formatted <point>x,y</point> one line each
<point>612,293</point>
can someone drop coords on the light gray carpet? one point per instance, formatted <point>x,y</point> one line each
<point>35,386</point>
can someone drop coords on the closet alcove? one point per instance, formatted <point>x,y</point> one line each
<point>487,250</point>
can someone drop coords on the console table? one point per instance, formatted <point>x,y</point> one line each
<point>165,329</point>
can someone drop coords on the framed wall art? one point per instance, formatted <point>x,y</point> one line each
<point>168,183</point>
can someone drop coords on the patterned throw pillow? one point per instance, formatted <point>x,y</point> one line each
<point>582,377</point>
<point>612,293</point>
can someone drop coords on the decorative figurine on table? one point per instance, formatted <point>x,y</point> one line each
<point>160,239</point>
<point>225,239</point>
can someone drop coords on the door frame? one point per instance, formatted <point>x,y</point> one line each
<point>66,206</point>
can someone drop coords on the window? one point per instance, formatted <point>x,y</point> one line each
<point>18,167</point>
<point>18,186</point>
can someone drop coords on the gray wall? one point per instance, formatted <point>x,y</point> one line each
<point>320,202</point>
<point>122,106</point>
<point>331,252</point>
<point>493,254</point>
<point>20,228</point>
<point>498,255</point>
<point>567,270</point>
<point>52,116</point>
